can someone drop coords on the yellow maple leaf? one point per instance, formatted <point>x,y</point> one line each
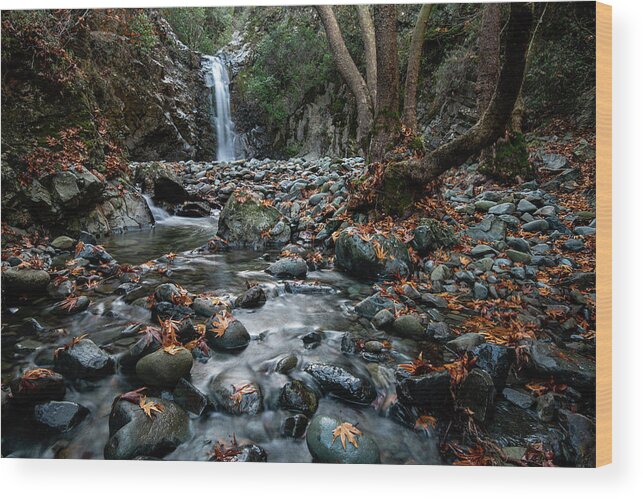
<point>149,406</point>
<point>346,431</point>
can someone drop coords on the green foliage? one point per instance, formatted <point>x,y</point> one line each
<point>561,77</point>
<point>143,32</point>
<point>291,60</point>
<point>201,28</point>
<point>510,159</point>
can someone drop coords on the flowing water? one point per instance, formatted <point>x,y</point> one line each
<point>276,330</point>
<point>218,81</point>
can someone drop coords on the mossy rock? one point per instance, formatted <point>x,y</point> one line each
<point>510,160</point>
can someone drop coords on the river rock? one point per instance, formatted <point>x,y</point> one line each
<point>432,390</point>
<point>496,361</point>
<point>161,182</point>
<point>371,305</point>
<point>51,386</point>
<point>24,281</point>
<point>289,267</point>
<point>536,226</point>
<point>190,398</point>
<point>253,297</point>
<point>73,307</point>
<point>134,434</point>
<point>431,235</point>
<point>340,383</point>
<point>60,416</point>
<point>581,438</point>
<point>383,319</point>
<point>235,337</point>
<point>547,360</point>
<point>95,255</point>
<point>63,243</point>
<point>244,221</point>
<point>84,360</point>
<point>163,369</point>
<point>438,331</point>
<point>490,229</point>
<point>294,426</point>
<point>326,449</point>
<point>296,396</point>
<point>236,393</point>
<point>477,393</point>
<point>409,326</point>
<point>357,256</point>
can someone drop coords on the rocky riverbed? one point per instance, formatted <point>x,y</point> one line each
<point>262,319</point>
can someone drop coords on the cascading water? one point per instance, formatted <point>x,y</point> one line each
<point>217,80</point>
<point>158,213</point>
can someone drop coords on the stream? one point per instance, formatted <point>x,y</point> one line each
<point>276,329</point>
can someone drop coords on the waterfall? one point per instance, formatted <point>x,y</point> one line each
<point>157,212</point>
<point>217,80</point>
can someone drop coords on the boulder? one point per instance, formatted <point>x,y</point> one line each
<point>253,297</point>
<point>547,361</point>
<point>235,336</point>
<point>59,416</point>
<point>495,360</point>
<point>409,326</point>
<point>432,390</point>
<point>236,393</point>
<point>161,182</point>
<point>326,448</point>
<point>338,382</point>
<point>297,397</point>
<point>163,369</point>
<point>246,222</point>
<point>477,393</point>
<point>24,281</point>
<point>84,360</point>
<point>289,267</point>
<point>431,235</point>
<point>37,386</point>
<point>63,243</point>
<point>371,256</point>
<point>133,434</point>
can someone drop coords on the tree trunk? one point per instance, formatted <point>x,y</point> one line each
<point>349,72</point>
<point>409,114</point>
<point>413,175</point>
<point>387,107</point>
<point>367,29</point>
<point>488,63</point>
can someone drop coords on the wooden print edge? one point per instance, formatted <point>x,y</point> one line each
<point>604,234</point>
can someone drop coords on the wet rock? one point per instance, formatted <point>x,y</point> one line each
<point>340,383</point>
<point>433,301</point>
<point>519,398</point>
<point>547,406</point>
<point>163,369</point>
<point>144,346</point>
<point>24,281</point>
<point>235,336</point>
<point>581,438</point>
<point>133,434</point>
<point>60,416</point>
<point>190,397</point>
<point>477,393</point>
<point>371,305</point>
<point>296,396</point>
<point>495,360</point>
<point>161,182</point>
<point>438,331</point>
<point>311,340</point>
<point>253,297</point>
<point>286,364</point>
<point>465,342</point>
<point>72,306</point>
<point>547,360</point>
<point>327,449</point>
<point>208,307</point>
<point>244,221</point>
<point>84,360</point>
<point>63,243</point>
<point>409,326</point>
<point>193,209</point>
<point>431,235</point>
<point>383,319</point>
<point>379,256</point>
<point>291,267</point>
<point>432,390</point>
<point>167,292</point>
<point>37,387</point>
<point>236,393</point>
<point>95,255</point>
<point>250,453</point>
<point>294,426</point>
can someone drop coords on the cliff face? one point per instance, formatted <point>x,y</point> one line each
<point>94,89</point>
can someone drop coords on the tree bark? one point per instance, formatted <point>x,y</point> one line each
<point>386,125</point>
<point>491,125</point>
<point>349,72</point>
<point>367,29</point>
<point>409,114</point>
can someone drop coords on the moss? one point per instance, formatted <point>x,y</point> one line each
<point>396,194</point>
<point>510,160</point>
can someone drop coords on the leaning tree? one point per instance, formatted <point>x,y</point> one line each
<point>381,117</point>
